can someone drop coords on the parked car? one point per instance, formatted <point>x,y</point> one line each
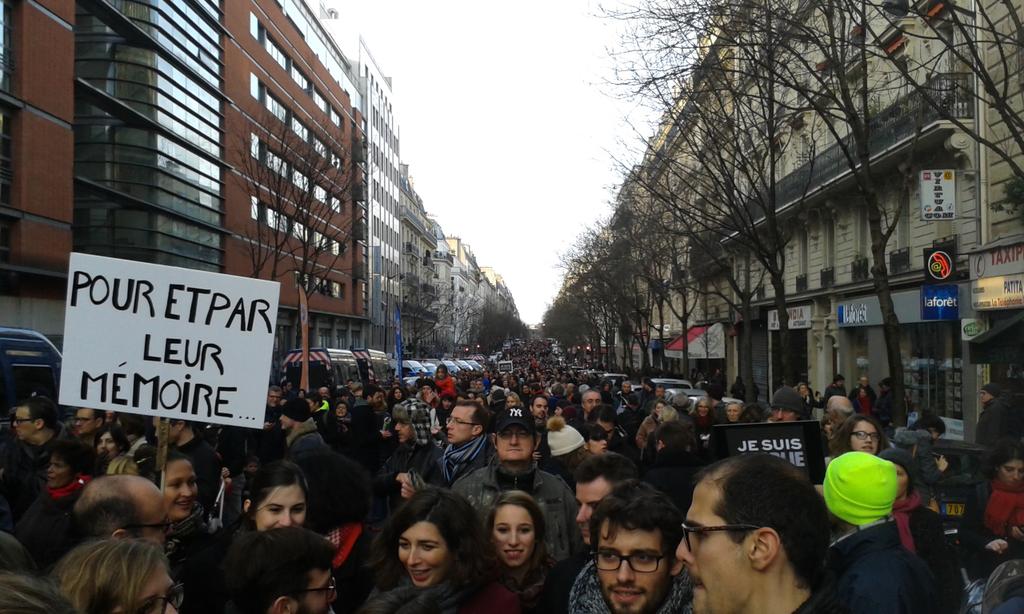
<point>29,364</point>
<point>615,378</point>
<point>669,382</point>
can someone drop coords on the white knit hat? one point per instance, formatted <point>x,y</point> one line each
<point>562,438</point>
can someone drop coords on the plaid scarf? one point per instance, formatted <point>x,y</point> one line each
<point>455,457</point>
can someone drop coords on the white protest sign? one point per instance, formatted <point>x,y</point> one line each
<point>166,341</point>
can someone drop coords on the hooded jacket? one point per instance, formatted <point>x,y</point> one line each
<point>556,501</point>
<point>877,575</point>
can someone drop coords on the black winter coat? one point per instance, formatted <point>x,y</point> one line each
<point>555,596</point>
<point>877,575</point>
<point>673,474</point>
<point>46,529</point>
<point>423,459</point>
<point>930,543</point>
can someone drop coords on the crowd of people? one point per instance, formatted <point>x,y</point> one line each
<point>542,489</point>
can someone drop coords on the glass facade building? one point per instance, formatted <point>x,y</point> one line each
<point>148,131</point>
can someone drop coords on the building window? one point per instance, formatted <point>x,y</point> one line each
<point>5,242</point>
<point>335,118</point>
<point>299,78</point>
<point>276,109</point>
<point>275,52</point>
<point>6,174</point>
<point>320,102</point>
<point>6,57</point>
<point>337,290</point>
<point>254,208</point>
<point>299,129</point>
<point>298,230</point>
<point>254,146</point>
<point>254,26</point>
<point>255,90</point>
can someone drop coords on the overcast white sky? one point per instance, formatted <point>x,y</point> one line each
<point>506,123</point>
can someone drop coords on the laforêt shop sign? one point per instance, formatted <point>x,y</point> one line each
<point>940,303</point>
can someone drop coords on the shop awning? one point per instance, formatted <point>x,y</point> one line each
<point>701,342</point>
<point>1000,327</point>
<point>676,344</point>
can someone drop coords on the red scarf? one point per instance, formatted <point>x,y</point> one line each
<point>75,485</point>
<point>344,539</point>
<point>1005,508</point>
<point>901,509</point>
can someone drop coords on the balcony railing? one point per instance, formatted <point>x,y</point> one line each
<point>860,269</point>
<point>899,261</point>
<point>887,127</point>
<point>801,283</point>
<point>828,277</point>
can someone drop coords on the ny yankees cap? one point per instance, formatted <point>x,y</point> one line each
<point>515,416</point>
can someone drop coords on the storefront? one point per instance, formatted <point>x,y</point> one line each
<point>930,344</point>
<point>799,327</point>
<point>704,346</point>
<point>996,336</point>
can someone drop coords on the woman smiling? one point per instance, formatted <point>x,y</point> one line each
<point>434,543</point>
<point>516,527</point>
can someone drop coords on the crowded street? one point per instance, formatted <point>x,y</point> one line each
<point>542,486</point>
<point>571,307</point>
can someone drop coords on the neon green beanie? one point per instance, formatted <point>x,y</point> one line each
<point>860,488</point>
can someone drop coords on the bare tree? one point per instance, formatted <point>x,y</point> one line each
<point>300,179</point>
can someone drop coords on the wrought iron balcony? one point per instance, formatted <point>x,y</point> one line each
<point>828,278</point>
<point>860,269</point>
<point>887,127</point>
<point>899,261</point>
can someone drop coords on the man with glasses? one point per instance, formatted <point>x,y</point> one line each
<point>755,538</point>
<point>468,447</point>
<point>595,478</point>
<point>85,424</point>
<point>122,507</point>
<point>280,571</point>
<point>515,440</point>
<point>634,569</point>
<point>24,458</point>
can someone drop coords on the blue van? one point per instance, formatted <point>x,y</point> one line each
<point>29,365</point>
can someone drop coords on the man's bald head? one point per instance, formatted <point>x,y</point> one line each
<point>121,506</point>
<point>841,404</point>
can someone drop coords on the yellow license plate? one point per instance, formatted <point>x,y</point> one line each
<point>955,509</point>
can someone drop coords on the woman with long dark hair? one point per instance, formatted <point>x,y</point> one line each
<point>434,543</point>
<point>277,498</point>
<point>339,501</point>
<point>991,531</point>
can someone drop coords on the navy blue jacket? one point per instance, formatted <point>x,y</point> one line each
<point>877,575</point>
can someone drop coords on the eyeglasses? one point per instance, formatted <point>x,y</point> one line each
<point>864,435</point>
<point>640,562</point>
<point>460,421</point>
<point>158,604</point>
<point>725,527</point>
<point>509,434</point>
<point>16,420</point>
<point>331,590</point>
